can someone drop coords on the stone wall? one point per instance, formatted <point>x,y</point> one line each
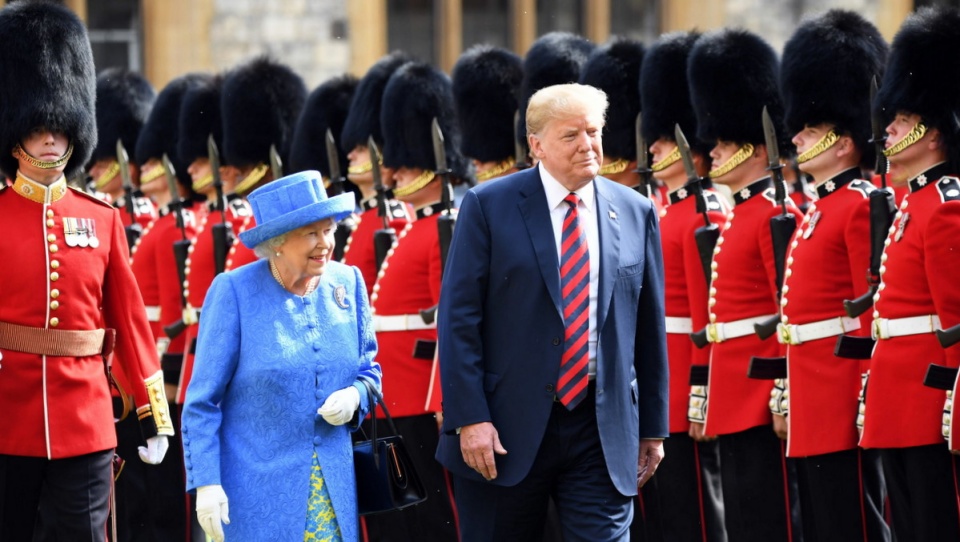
<point>307,35</point>
<point>777,20</point>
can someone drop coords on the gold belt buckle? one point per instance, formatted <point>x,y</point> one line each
<point>877,329</point>
<point>713,334</point>
<point>786,336</point>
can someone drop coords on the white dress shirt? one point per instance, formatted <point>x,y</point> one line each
<point>587,210</point>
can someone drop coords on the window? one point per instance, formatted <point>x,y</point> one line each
<point>410,28</point>
<point>486,21</point>
<point>637,19</point>
<point>115,33</point>
<point>565,15</point>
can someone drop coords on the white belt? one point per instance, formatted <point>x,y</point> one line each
<point>153,313</point>
<point>887,328</point>
<point>679,324</point>
<point>724,331</point>
<point>800,333</point>
<point>400,322</point>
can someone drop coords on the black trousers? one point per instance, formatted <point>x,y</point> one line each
<point>753,472</point>
<point>570,469</point>
<point>923,495</point>
<point>433,520</point>
<point>842,495</point>
<point>683,501</point>
<point>73,491</point>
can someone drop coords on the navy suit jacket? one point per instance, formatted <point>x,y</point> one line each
<point>501,326</point>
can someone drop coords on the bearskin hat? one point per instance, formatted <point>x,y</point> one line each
<point>665,92</point>
<point>47,79</point>
<point>327,108</point>
<point>415,95</point>
<point>259,104</point>
<point>159,135</point>
<point>733,74</point>
<point>363,120</point>
<point>554,59</point>
<point>923,73</point>
<point>199,118</point>
<point>486,81</point>
<point>124,99</point>
<point>614,68</point>
<point>825,75</point>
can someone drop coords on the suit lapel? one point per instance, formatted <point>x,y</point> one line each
<point>536,216</point>
<point>608,225</point>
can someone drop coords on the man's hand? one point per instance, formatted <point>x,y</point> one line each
<point>153,452</point>
<point>651,454</point>
<point>478,443</point>
<point>780,426</point>
<point>697,434</point>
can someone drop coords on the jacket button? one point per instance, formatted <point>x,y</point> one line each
<point>556,341</point>
<point>549,388</point>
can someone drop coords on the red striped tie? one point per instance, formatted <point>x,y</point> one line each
<point>575,289</point>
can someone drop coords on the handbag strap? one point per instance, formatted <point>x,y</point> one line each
<point>376,398</point>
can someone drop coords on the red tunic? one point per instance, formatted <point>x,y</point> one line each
<point>827,261</point>
<point>239,254</point>
<point>917,278</point>
<point>155,268</point>
<point>408,282</point>
<point>744,286</point>
<point>201,270</point>
<point>685,291</point>
<point>359,250</point>
<point>143,208</point>
<point>54,406</point>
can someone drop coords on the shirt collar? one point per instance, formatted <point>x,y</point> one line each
<point>37,192</point>
<point>556,192</point>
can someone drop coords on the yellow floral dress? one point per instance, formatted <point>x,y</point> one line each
<point>322,523</point>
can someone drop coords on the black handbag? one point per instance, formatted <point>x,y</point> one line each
<point>386,478</point>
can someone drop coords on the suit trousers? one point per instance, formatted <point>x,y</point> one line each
<point>570,468</point>
<point>842,495</point>
<point>74,491</point>
<point>753,472</point>
<point>923,495</point>
<point>683,502</point>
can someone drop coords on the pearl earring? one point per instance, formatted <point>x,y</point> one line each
<point>278,254</point>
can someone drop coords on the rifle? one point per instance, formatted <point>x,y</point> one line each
<point>134,230</point>
<point>222,232</point>
<point>643,160</point>
<point>276,163</point>
<point>346,226</point>
<point>447,220</point>
<point>383,238</point>
<point>782,226</point>
<point>706,235</point>
<point>882,210</point>
<point>520,151</point>
<point>180,250</point>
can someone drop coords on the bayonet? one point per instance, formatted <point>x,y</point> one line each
<point>879,134</point>
<point>333,164</point>
<point>383,238</point>
<point>181,250</point>
<point>643,159</point>
<point>276,163</point>
<point>520,151</point>
<point>134,230</point>
<point>222,232</point>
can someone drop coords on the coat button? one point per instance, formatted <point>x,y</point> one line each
<point>316,441</point>
<point>556,341</point>
<point>549,388</point>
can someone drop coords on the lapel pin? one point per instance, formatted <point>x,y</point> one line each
<point>612,214</point>
<point>340,296</point>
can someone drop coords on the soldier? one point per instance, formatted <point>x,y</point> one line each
<point>409,282</point>
<point>326,110</point>
<point>486,81</point>
<point>733,75</point>
<point>260,104</point>
<point>827,67</point>
<point>152,499</point>
<point>124,100</point>
<point>67,288</point>
<point>688,484</point>
<point>917,295</point>
<point>361,124</point>
<point>614,68</point>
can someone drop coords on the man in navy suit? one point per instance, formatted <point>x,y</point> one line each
<point>524,419</point>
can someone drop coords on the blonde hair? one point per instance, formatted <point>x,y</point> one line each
<point>564,101</point>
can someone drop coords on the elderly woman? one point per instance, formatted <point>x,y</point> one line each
<point>284,349</point>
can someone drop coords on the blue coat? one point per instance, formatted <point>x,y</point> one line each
<point>501,328</point>
<point>266,361</point>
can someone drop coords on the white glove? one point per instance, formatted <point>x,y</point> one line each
<point>340,407</point>
<point>153,452</point>
<point>212,510</point>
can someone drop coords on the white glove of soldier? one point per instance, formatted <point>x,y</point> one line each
<point>340,407</point>
<point>212,510</point>
<point>153,452</point>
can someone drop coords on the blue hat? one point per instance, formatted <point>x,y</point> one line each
<point>290,203</point>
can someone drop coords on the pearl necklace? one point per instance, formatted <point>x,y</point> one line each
<point>311,286</point>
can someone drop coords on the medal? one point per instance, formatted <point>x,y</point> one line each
<point>93,240</point>
<point>82,240</point>
<point>69,231</point>
<point>902,226</point>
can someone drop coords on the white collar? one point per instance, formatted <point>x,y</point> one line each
<point>556,192</point>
